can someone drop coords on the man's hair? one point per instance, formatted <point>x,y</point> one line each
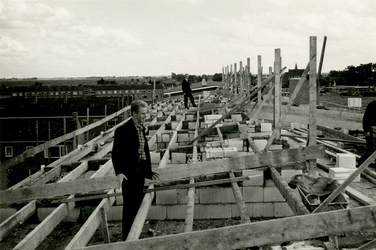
<point>135,106</point>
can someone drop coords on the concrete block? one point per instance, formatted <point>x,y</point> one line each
<point>282,209</point>
<point>179,117</point>
<point>161,145</point>
<point>183,137</point>
<point>346,160</point>
<point>73,215</point>
<point>236,117</point>
<point>167,197</point>
<point>176,212</point>
<point>155,158</point>
<point>202,212</point>
<point>338,172</point>
<point>214,153</point>
<point>253,194</point>
<point>177,158</point>
<point>227,195</point>
<point>43,212</point>
<point>256,177</point>
<point>220,211</point>
<point>272,194</point>
<point>174,125</point>
<point>269,183</point>
<point>209,195</point>
<point>183,196</point>
<point>263,210</point>
<point>191,125</point>
<point>230,152</point>
<point>212,117</point>
<point>294,125</point>
<point>165,137</point>
<point>287,174</point>
<point>157,212</point>
<point>265,127</point>
<point>261,144</point>
<point>189,117</point>
<point>115,213</point>
<point>234,211</point>
<point>238,144</point>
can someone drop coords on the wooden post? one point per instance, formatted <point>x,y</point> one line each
<point>320,67</point>
<point>312,95</point>
<point>241,78</point>
<point>235,81</point>
<point>104,225</point>
<point>153,91</point>
<point>259,78</point>
<point>36,132</point>
<point>277,88</point>
<point>87,123</point>
<point>105,115</point>
<point>65,130</point>
<point>248,75</point>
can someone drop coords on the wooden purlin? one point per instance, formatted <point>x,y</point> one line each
<point>294,228</point>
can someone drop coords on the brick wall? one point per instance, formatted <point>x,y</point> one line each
<point>303,95</point>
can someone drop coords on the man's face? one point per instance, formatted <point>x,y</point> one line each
<point>140,116</point>
<point>186,77</point>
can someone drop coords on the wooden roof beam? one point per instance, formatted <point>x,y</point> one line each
<point>259,233</point>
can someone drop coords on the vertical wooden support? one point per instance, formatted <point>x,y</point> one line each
<point>104,225</point>
<point>312,95</point>
<point>248,73</point>
<point>320,67</point>
<point>241,78</point>
<point>277,88</point>
<point>244,215</point>
<point>87,123</point>
<point>259,78</point>
<point>235,81</point>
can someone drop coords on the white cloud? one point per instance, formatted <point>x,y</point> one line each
<point>8,47</point>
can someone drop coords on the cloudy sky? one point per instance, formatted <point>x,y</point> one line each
<point>77,38</point>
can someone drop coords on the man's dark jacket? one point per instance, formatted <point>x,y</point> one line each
<point>186,86</point>
<point>125,151</point>
<point>369,117</point>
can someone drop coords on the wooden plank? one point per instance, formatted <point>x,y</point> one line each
<point>244,215</point>
<point>279,125</point>
<point>19,217</point>
<point>258,233</point>
<point>342,187</point>
<point>280,157</point>
<point>277,91</point>
<point>360,197</point>
<point>91,225</point>
<point>58,189</point>
<point>259,78</point>
<point>104,225</point>
<point>294,202</point>
<point>369,246</point>
<point>189,213</point>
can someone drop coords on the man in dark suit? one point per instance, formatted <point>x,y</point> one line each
<point>369,128</point>
<point>131,161</point>
<point>186,87</point>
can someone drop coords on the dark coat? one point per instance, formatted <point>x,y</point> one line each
<point>186,86</point>
<point>125,152</point>
<point>369,118</point>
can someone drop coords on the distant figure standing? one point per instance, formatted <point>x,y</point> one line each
<point>369,121</point>
<point>186,87</point>
<point>203,82</point>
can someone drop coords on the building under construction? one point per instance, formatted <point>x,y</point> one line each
<point>233,158</point>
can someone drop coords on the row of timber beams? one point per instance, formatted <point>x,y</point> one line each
<point>294,228</point>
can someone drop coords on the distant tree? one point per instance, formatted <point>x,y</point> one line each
<point>217,77</point>
<point>173,75</point>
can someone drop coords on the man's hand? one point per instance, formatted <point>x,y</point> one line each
<point>121,178</point>
<point>155,176</point>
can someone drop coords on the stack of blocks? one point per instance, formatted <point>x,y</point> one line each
<point>346,165</point>
<point>262,199</point>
